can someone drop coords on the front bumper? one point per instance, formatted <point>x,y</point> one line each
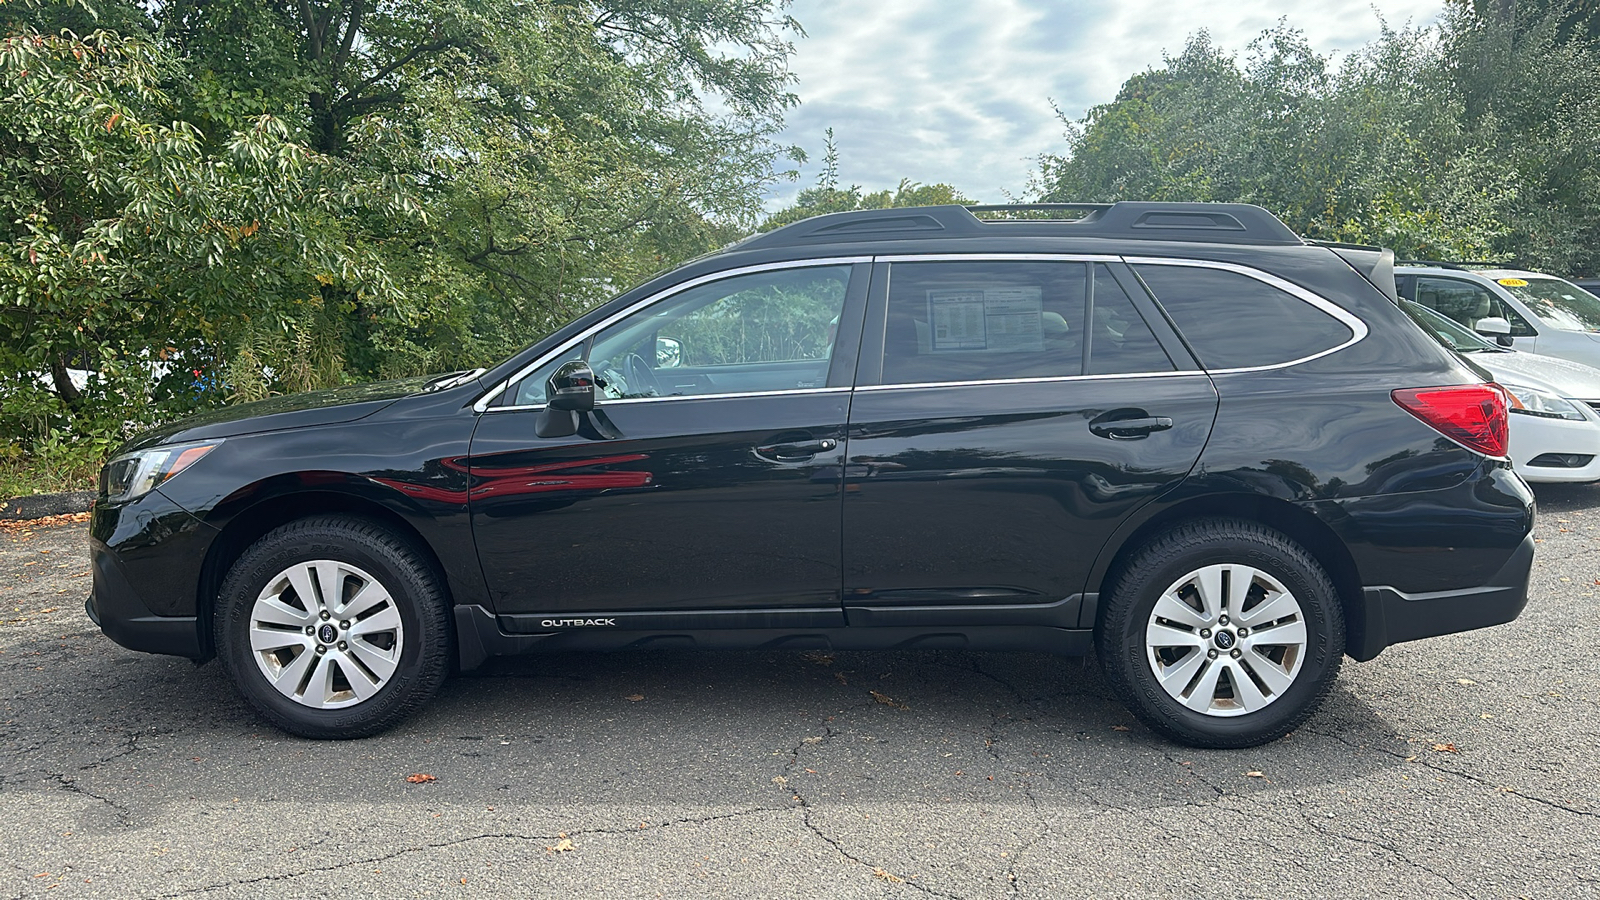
<point>146,559</point>
<point>117,609</point>
<point>1533,437</point>
<point>1394,616</point>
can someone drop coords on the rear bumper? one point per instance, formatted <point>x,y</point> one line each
<point>1394,616</point>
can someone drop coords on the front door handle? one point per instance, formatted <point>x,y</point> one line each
<point>796,452</point>
<point>1129,429</point>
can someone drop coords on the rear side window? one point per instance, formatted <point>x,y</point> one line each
<point>988,320</point>
<point>1233,321</point>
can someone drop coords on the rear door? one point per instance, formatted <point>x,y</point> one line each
<point>1009,414</point>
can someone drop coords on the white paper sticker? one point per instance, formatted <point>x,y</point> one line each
<point>1005,319</point>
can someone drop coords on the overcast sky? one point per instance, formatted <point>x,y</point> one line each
<point>959,91</point>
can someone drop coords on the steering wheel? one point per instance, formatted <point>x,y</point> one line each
<point>641,380</point>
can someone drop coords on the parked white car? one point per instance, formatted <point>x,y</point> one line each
<point>1526,310</point>
<point>1555,429</point>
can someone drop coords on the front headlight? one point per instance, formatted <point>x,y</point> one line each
<point>1534,402</point>
<point>132,475</point>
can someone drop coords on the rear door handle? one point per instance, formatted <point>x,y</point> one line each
<point>1130,429</point>
<point>796,452</point>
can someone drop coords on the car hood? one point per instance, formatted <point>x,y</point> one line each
<point>1563,376</point>
<point>344,404</point>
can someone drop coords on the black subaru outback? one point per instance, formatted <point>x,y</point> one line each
<point>1176,435</point>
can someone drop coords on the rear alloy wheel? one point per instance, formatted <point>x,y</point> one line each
<point>1222,633</point>
<point>333,627</point>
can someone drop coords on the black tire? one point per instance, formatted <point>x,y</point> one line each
<point>1170,558</point>
<point>418,648</point>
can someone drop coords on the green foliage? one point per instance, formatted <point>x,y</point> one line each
<point>287,195</point>
<point>1476,138</point>
<point>828,197</point>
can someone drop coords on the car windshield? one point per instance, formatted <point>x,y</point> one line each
<point>1449,332</point>
<point>1559,304</point>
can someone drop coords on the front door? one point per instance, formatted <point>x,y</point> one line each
<point>704,490</point>
<point>1022,411</point>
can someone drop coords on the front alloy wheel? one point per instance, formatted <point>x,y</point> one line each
<point>333,627</point>
<point>326,634</point>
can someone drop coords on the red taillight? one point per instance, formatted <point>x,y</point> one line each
<point>1472,415</point>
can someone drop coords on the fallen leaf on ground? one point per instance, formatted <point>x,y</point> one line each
<point>811,740</point>
<point>1120,728</point>
<point>888,876</point>
<point>818,657</point>
<point>420,778</point>
<point>1254,774</point>
<point>635,698</point>
<point>779,779</point>
<point>1445,748</point>
<point>839,677</point>
<point>1465,681</point>
<point>887,700</point>
<point>562,846</point>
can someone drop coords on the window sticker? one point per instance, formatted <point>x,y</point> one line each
<point>1513,282</point>
<point>1008,319</point>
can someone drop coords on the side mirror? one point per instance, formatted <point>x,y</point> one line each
<point>669,353</point>
<point>1495,327</point>
<point>568,394</point>
<point>571,387</point>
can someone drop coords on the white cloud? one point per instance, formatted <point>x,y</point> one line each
<point>959,91</point>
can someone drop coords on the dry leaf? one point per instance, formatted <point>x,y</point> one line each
<point>634,698</point>
<point>818,657</point>
<point>1465,681</point>
<point>420,778</point>
<point>811,740</point>
<point>888,876</point>
<point>1254,774</point>
<point>1120,728</point>
<point>1445,748</point>
<point>562,846</point>
<point>779,779</point>
<point>887,700</point>
<point>839,677</point>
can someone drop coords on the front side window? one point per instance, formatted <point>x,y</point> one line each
<point>758,332</point>
<point>1467,303</point>
<point>1234,321</point>
<point>988,320</point>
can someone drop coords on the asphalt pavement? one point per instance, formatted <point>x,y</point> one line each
<point>1463,766</point>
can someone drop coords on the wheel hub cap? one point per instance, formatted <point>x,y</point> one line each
<point>305,655</point>
<point>1226,640</point>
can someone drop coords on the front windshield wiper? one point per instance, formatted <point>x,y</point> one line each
<point>451,379</point>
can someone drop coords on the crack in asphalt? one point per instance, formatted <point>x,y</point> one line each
<point>1417,759</point>
<point>491,836</point>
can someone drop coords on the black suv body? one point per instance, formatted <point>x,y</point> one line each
<point>1174,434</point>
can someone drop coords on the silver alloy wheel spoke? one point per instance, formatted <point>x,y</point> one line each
<point>343,660</point>
<point>1232,666</point>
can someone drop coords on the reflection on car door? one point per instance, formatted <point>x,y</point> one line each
<point>681,510</point>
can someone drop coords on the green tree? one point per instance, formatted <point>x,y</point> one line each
<point>828,197</point>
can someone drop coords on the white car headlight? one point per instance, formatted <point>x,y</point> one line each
<point>132,475</point>
<point>1534,402</point>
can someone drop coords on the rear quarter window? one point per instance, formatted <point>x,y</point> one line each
<point>1234,321</point>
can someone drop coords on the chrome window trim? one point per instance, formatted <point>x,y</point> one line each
<point>1042,379</point>
<point>1358,328</point>
<point>732,395</point>
<point>482,405</point>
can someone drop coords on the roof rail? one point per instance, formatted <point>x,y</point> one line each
<point>1228,223</point>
